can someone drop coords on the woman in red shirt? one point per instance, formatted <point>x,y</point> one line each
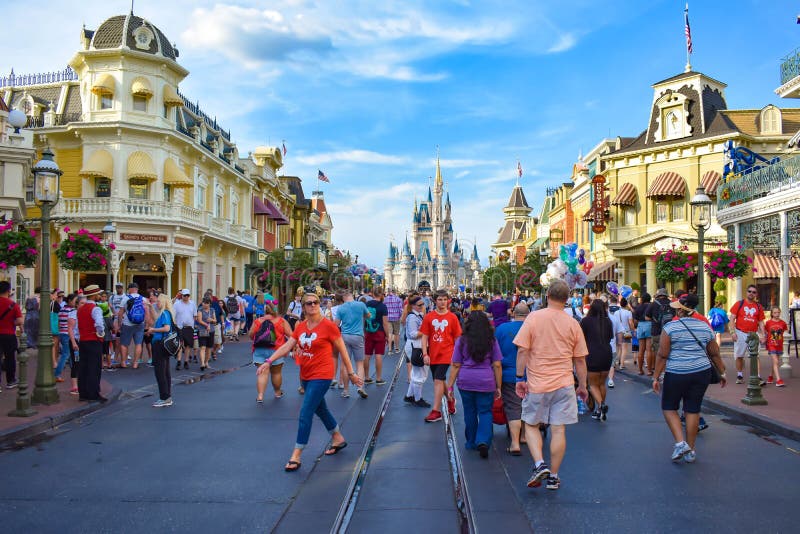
<point>316,338</point>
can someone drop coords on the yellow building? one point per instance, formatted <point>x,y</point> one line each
<point>135,151</point>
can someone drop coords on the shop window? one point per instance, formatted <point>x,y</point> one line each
<point>102,187</point>
<point>138,188</point>
<point>167,193</point>
<point>678,210</point>
<point>662,212</point>
<point>628,216</point>
<point>139,103</point>
<point>29,198</point>
<point>106,101</point>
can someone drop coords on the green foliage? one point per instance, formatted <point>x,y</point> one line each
<point>636,286</point>
<point>720,285</point>
<point>290,275</point>
<point>16,247</point>
<point>82,252</point>
<point>498,278</point>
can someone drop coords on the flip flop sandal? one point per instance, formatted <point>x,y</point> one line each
<point>514,452</point>
<point>333,449</point>
<point>292,465</point>
<point>279,394</point>
<point>259,401</point>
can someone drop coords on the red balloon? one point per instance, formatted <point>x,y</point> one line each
<point>587,267</point>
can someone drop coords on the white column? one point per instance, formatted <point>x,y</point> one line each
<point>169,260</point>
<point>737,240</point>
<point>786,368</point>
<point>191,283</point>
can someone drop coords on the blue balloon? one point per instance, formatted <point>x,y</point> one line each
<point>612,288</point>
<point>581,253</point>
<point>625,291</point>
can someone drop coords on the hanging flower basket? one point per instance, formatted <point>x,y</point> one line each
<point>16,247</point>
<point>82,252</point>
<point>673,265</point>
<point>726,263</point>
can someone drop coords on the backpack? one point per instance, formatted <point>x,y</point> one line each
<point>265,335</point>
<point>231,304</point>
<point>717,321</point>
<point>664,314</point>
<point>372,324</point>
<point>135,309</point>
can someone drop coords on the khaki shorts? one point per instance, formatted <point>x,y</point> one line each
<point>559,407</point>
<point>394,328</point>
<point>654,344</point>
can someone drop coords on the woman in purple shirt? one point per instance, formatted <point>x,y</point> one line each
<point>478,368</point>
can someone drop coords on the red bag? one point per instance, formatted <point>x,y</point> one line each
<point>498,414</point>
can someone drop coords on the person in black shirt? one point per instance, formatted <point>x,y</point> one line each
<point>599,332</point>
<point>643,332</point>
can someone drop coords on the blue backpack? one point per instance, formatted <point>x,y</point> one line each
<point>135,309</point>
<point>717,321</point>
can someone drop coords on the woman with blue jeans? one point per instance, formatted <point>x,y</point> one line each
<point>316,338</point>
<point>477,369</point>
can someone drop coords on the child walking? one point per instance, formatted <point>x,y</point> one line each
<point>775,328</point>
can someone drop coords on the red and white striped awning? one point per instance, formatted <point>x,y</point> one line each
<point>710,181</point>
<point>769,267</point>
<point>626,196</point>
<point>603,272</point>
<point>668,184</point>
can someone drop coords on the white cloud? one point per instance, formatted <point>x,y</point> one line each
<point>564,43</point>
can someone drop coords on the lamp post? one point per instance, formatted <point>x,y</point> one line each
<point>513,275</point>
<point>109,233</point>
<point>46,175</point>
<point>288,252</point>
<point>701,221</point>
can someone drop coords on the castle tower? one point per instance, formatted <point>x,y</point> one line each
<point>388,267</point>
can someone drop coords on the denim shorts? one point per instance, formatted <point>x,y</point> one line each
<point>134,332</point>
<point>261,354</point>
<point>643,329</point>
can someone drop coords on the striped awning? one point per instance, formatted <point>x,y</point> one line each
<point>769,267</point>
<point>626,196</point>
<point>668,184</point>
<point>603,272</point>
<point>100,164</point>
<point>710,181</point>
<point>171,96</point>
<point>104,85</point>
<point>141,87</point>
<point>174,175</point>
<point>141,166</point>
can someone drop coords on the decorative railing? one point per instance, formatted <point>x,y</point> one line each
<point>790,66</point>
<point>194,107</point>
<point>40,78</point>
<point>759,183</point>
<point>129,208</point>
<point>225,228</point>
<point>60,119</point>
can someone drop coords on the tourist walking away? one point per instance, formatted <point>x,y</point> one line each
<point>234,308</point>
<point>249,309</point>
<point>375,329</point>
<point>394,305</point>
<point>295,308</point>
<point>269,333</point>
<point>316,338</point>
<point>499,310</point>
<point>350,317</point>
<point>418,373</point>
<point>477,369</point>
<point>622,318</point>
<point>205,320</point>
<point>131,317</point>
<point>718,319</point>
<point>162,325</point>
<point>185,314</point>
<point>747,317</point>
<point>440,328</point>
<point>643,327</point>
<point>115,302</point>
<point>31,324</point>
<point>512,404</point>
<point>91,330</point>
<point>10,319</point>
<point>598,331</point>
<point>775,329</point>
<point>658,313</point>
<point>550,345</point>
<point>686,353</point>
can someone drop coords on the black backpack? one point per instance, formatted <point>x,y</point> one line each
<point>662,315</point>
<point>265,335</point>
<point>231,304</point>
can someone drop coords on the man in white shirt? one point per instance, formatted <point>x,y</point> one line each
<point>185,312</point>
<point>234,309</point>
<point>130,331</point>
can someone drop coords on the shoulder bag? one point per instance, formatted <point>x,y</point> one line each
<point>171,339</point>
<point>715,374</point>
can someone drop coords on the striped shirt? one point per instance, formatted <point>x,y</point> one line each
<point>685,355</point>
<point>395,306</point>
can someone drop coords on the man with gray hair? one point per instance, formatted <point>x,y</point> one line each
<point>550,344</point>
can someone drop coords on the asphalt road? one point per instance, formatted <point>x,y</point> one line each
<point>214,462</point>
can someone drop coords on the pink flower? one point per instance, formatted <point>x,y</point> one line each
<point>33,233</point>
<point>12,246</point>
<point>3,265</point>
<point>70,254</point>
<point>54,245</point>
<point>755,270</point>
<point>66,229</point>
<point>83,231</point>
<point>690,258</point>
<point>32,251</point>
<point>72,238</point>
<point>112,246</point>
<point>739,247</point>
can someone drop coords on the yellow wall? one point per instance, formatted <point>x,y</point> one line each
<point>70,161</point>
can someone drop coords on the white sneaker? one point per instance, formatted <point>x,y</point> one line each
<point>690,457</point>
<point>610,383</point>
<point>680,450</point>
<point>159,404</point>
<point>168,402</point>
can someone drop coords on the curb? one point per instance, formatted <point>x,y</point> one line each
<point>755,419</point>
<point>11,437</point>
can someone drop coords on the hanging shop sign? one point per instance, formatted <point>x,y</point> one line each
<point>599,206</point>
<point>186,241</point>
<point>149,238</point>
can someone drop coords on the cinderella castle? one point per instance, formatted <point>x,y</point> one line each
<point>434,257</point>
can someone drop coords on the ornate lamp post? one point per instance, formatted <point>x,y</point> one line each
<point>109,233</point>
<point>701,221</point>
<point>46,177</point>
<point>288,252</point>
<point>513,275</point>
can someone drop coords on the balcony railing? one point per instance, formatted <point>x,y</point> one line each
<point>226,229</point>
<point>790,66</point>
<point>759,183</point>
<point>128,208</point>
<point>60,119</point>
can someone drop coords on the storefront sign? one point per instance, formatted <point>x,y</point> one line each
<point>184,241</point>
<point>599,207</point>
<point>261,256</point>
<point>150,238</point>
<point>556,235</point>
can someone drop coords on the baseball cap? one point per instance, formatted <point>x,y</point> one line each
<point>119,284</point>
<point>185,292</point>
<point>133,285</point>
<point>687,302</point>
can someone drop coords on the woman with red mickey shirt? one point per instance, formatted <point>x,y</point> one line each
<point>316,338</point>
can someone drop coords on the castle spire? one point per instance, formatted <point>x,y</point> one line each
<point>439,181</point>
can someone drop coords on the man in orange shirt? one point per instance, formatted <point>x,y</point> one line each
<point>440,328</point>
<point>550,344</point>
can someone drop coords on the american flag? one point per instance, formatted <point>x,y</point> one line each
<point>519,169</point>
<point>284,148</point>
<point>321,176</point>
<point>688,30</point>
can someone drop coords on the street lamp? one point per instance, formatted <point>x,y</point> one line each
<point>701,221</point>
<point>288,251</point>
<point>46,175</point>
<point>513,275</point>
<point>109,233</point>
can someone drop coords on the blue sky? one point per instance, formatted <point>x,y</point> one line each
<point>366,90</point>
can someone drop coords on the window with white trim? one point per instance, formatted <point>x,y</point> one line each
<point>662,212</point>
<point>678,210</point>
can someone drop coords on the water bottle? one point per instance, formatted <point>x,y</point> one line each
<point>582,408</point>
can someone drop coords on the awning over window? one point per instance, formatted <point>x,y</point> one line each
<point>174,175</point>
<point>668,184</point>
<point>171,97</point>
<point>539,243</point>
<point>141,166</point>
<point>603,272</point>
<point>104,85</point>
<point>259,208</point>
<point>100,163</point>
<point>276,214</point>
<point>769,267</point>
<point>710,181</point>
<point>141,87</point>
<point>626,196</point>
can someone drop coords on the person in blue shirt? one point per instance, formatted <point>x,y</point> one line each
<point>718,319</point>
<point>350,318</point>
<point>249,309</point>
<point>512,404</point>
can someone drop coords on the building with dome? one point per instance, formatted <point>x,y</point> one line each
<point>433,257</point>
<point>189,209</point>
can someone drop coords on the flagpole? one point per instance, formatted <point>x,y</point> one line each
<point>688,36</point>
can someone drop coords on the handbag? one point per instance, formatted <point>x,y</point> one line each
<point>716,376</point>
<point>498,413</point>
<point>171,340</point>
<point>416,357</point>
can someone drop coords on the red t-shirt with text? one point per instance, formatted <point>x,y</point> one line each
<point>775,329</point>
<point>315,349</point>
<point>11,312</point>
<point>442,330</point>
<point>748,317</point>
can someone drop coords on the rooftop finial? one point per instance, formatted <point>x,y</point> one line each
<point>438,169</point>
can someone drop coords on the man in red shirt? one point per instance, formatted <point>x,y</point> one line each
<point>10,319</point>
<point>748,317</point>
<point>440,328</point>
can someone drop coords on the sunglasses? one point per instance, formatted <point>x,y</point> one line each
<point>311,303</point>
<point>751,291</point>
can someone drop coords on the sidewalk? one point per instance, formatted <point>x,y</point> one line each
<point>782,413</point>
<point>13,429</point>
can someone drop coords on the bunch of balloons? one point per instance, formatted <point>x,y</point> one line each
<point>358,269</point>
<point>566,267</point>
<point>585,263</point>
<point>621,291</point>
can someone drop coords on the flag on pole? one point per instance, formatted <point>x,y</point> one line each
<point>688,30</point>
<point>519,169</point>
<point>284,148</point>
<point>321,176</point>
